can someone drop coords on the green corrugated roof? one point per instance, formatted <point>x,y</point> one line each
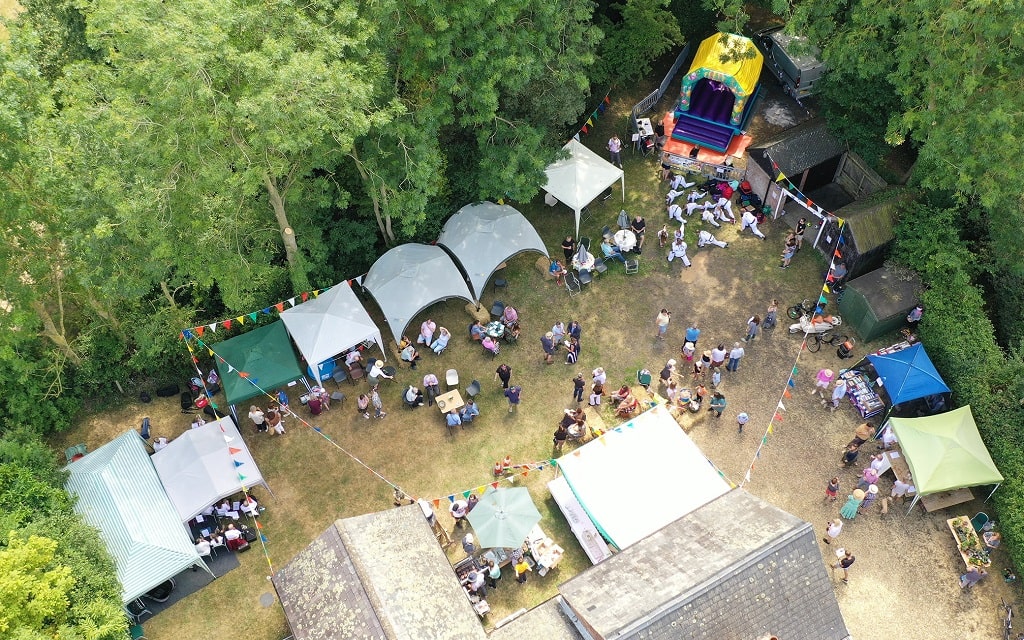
<point>871,220</point>
<point>120,494</point>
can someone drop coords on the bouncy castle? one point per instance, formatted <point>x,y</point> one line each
<point>718,93</point>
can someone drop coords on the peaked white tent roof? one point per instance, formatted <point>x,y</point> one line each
<point>203,465</point>
<point>324,326</point>
<point>410,278</point>
<point>579,179</point>
<point>616,478</point>
<point>483,235</point>
<point>120,494</point>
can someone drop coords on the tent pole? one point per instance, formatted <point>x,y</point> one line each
<point>917,496</point>
<point>993,492</point>
<point>577,211</point>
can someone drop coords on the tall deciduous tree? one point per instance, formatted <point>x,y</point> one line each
<point>643,30</point>
<point>197,137</point>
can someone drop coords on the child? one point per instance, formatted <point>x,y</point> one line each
<point>832,490</point>
<point>716,378</point>
<point>742,419</point>
<point>363,405</point>
<point>663,235</point>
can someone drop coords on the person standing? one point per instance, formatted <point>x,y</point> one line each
<point>521,568</point>
<point>639,227</point>
<point>378,404</point>
<point>845,562</point>
<point>258,419</point>
<point>742,420</point>
<point>849,510</point>
<point>801,227</point>
<point>718,355</point>
<point>692,333</point>
<point>561,433</point>
<point>822,382</point>
<point>615,150</point>
<point>577,388</point>
<point>504,373</point>
<point>835,527</point>
<point>493,574</point>
<point>734,357</point>
<point>869,498</point>
<point>574,330</point>
<point>568,248</point>
<point>513,394</point>
<point>832,489</point>
<point>547,343</point>
<point>717,404</point>
<point>753,326</point>
<point>662,323</point>
<point>432,386</point>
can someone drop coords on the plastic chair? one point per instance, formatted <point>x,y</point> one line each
<point>75,452</point>
<point>499,281</point>
<point>338,396</point>
<point>473,390</point>
<point>585,277</point>
<point>606,233</point>
<point>497,309</point>
<point>599,265</point>
<point>451,378</point>
<point>585,243</point>
<point>355,373</point>
<point>643,378</point>
<point>633,266</point>
<point>979,521</point>
<point>339,376</point>
<point>572,283</point>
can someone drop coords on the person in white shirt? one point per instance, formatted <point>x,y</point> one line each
<point>159,444</point>
<point>675,212</point>
<point>202,547</point>
<point>734,357</point>
<point>750,220</point>
<point>250,506</point>
<point>678,250</point>
<point>725,203</point>
<point>671,196</point>
<point>709,217</point>
<point>679,182</point>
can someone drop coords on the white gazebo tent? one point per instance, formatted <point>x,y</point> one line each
<point>483,235</point>
<point>619,478</point>
<point>327,325</point>
<point>120,494</point>
<point>410,278</point>
<point>577,180</point>
<point>204,465</point>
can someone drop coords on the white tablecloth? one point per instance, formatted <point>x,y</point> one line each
<point>625,239</point>
<point>644,126</point>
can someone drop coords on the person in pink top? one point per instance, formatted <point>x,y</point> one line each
<point>822,382</point>
<point>427,332</point>
<point>868,477</point>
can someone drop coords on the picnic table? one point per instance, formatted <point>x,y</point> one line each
<point>972,550</point>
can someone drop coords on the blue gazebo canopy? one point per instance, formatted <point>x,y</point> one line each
<point>908,374</point>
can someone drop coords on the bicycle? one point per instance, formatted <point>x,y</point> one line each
<point>815,340</point>
<point>800,309</point>
<point>1008,622</point>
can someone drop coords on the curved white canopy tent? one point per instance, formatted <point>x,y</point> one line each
<point>483,235</point>
<point>410,278</point>
<point>327,325</point>
<point>577,180</point>
<point>204,465</point>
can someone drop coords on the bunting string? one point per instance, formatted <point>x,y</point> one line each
<point>253,316</point>
<point>779,413</point>
<point>594,115</point>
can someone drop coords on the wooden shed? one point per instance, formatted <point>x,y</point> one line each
<point>867,233</point>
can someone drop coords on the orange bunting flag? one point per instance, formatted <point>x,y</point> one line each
<point>787,394</point>
<point>234,450</point>
<point>584,129</point>
<point>437,502</point>
<point>305,296</point>
<point>199,331</point>
<point>258,525</point>
<point>279,306</point>
<point>607,100</point>
<point>494,485</point>
<point>526,473</point>
<point>838,254</point>
<point>243,374</point>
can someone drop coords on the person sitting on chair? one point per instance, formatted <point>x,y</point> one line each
<point>452,418</point>
<point>233,538</point>
<point>510,316</point>
<point>476,331</point>
<point>620,395</point>
<point>490,344</point>
<point>469,411</point>
<point>410,355</point>
<point>354,359</point>
<point>441,343</point>
<point>611,251</point>
<point>627,407</point>
<point>413,397</point>
<point>203,548</point>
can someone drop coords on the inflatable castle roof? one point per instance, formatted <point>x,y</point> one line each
<point>730,59</point>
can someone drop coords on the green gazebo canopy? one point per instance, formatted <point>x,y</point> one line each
<point>258,361</point>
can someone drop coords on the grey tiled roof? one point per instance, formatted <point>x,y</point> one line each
<point>737,567</point>
<point>544,621</point>
<point>801,147</point>
<point>380,575</point>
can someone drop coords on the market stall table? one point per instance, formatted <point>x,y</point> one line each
<point>943,499</point>
<point>624,239</point>
<point>858,390</point>
<point>972,550</point>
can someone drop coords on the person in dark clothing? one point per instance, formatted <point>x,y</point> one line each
<point>577,387</point>
<point>504,373</point>
<point>568,248</point>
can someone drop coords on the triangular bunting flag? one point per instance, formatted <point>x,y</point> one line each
<point>241,319</point>
<point>826,289</point>
<point>451,498</point>
<point>576,453</point>
<point>291,301</point>
<point>465,494</point>
<point>590,121</point>
<point>607,100</point>
<point>777,417</point>
<point>842,241</point>
<point>481,490</point>
<point>780,177</point>
<point>494,485</point>
<point>526,473</point>
<point>316,293</point>
<point>227,438</point>
<point>795,371</point>
<point>213,327</point>
<point>266,311</point>
<point>787,394</point>
<point>810,202</point>
<point>234,450</point>
<point>830,278</point>
<point>771,428</point>
<point>227,324</point>
<point>576,137</point>
<point>279,306</point>
<point>305,296</point>
<point>258,525</point>
<point>791,383</point>
<point>241,477</point>
<point>841,222</point>
<point>746,476</point>
<point>210,351</point>
<point>237,463</point>
<point>437,502</point>
<point>254,315</point>
<point>601,108</point>
<point>584,129</point>
<point>242,374</point>
<point>187,334</point>
<point>838,254</point>
<point>822,299</point>
<point>782,406</point>
<point>263,538</point>
<point>199,331</point>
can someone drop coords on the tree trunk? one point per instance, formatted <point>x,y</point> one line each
<point>56,337</point>
<point>168,294</point>
<point>291,247</point>
<point>383,221</point>
<point>102,311</point>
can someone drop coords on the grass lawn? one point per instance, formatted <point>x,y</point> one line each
<point>904,561</point>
